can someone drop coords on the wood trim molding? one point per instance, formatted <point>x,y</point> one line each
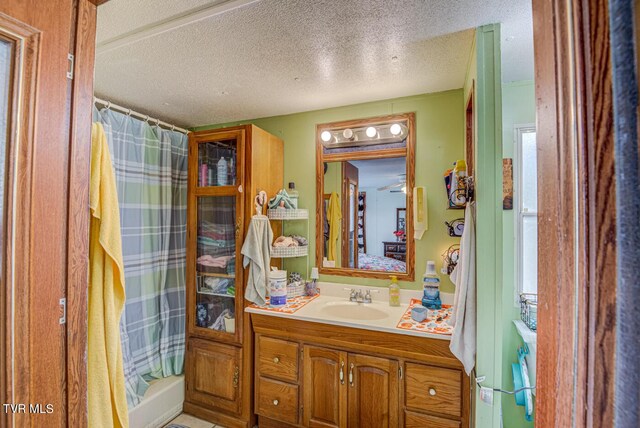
<point>470,130</point>
<point>409,153</point>
<point>15,337</point>
<point>577,215</point>
<point>78,214</point>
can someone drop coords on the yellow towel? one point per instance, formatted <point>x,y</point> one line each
<point>334,215</point>
<point>107,395</point>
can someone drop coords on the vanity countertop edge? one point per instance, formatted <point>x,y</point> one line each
<point>332,292</point>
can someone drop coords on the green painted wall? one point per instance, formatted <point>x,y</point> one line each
<point>488,220</point>
<point>439,132</point>
<point>518,108</point>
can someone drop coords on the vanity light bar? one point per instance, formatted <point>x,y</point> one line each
<point>364,136</point>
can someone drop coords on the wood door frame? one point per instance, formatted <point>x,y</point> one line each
<point>470,131</point>
<point>18,336</point>
<point>346,199</point>
<point>22,112</point>
<point>577,215</point>
<point>79,215</point>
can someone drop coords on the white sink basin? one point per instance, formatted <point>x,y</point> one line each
<point>354,311</point>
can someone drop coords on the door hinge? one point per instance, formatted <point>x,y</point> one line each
<point>63,306</point>
<point>71,60</point>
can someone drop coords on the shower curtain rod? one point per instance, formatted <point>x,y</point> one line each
<point>141,116</point>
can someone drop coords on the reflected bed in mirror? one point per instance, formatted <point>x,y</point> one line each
<point>364,197</point>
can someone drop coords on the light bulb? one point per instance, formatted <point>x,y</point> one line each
<point>326,136</point>
<point>371,132</point>
<point>395,129</point>
<point>347,133</point>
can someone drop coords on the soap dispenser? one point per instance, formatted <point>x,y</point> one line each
<point>431,285</point>
<point>394,292</point>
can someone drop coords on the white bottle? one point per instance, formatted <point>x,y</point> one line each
<point>222,172</point>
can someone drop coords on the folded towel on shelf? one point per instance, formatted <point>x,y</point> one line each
<point>301,240</point>
<point>285,241</point>
<point>257,255</point>
<point>281,200</point>
<point>219,243</point>
<point>208,260</point>
<point>217,285</point>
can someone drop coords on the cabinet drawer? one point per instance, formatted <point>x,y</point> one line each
<point>433,389</point>
<point>277,358</point>
<point>390,248</point>
<point>277,400</point>
<point>418,420</point>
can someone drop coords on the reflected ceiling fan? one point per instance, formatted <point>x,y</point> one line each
<point>400,186</point>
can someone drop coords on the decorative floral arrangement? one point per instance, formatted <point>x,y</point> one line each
<point>401,235</point>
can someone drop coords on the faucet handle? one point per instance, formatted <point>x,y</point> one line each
<point>367,296</point>
<point>353,294</point>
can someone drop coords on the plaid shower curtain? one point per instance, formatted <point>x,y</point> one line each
<point>150,165</point>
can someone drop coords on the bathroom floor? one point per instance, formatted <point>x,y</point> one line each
<point>188,421</point>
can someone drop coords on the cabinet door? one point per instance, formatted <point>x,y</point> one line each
<point>324,388</point>
<point>218,284</point>
<point>213,375</point>
<point>214,236</point>
<point>373,392</point>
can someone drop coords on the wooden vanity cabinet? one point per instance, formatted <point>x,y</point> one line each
<point>325,404</point>
<point>373,392</point>
<point>349,377</point>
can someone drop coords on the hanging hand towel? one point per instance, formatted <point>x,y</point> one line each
<point>257,255</point>
<point>463,339</point>
<point>106,390</point>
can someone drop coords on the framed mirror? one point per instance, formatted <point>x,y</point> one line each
<point>365,172</point>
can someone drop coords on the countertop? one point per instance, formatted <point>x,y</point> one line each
<point>334,292</point>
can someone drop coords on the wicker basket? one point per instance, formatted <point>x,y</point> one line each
<point>295,289</point>
<point>283,252</point>
<point>287,214</point>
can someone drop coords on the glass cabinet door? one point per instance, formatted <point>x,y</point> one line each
<point>216,264</point>
<point>218,162</point>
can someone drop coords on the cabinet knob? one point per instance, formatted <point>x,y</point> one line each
<point>276,402</point>
<point>276,360</point>
<point>432,391</point>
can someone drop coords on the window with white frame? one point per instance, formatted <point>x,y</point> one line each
<point>526,187</point>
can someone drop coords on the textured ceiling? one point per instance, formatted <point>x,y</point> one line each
<point>272,57</point>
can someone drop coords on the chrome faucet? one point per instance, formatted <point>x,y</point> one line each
<point>358,296</point>
<point>355,295</point>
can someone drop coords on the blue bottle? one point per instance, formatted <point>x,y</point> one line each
<point>431,285</point>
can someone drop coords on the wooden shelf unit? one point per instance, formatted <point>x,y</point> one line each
<point>219,366</point>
